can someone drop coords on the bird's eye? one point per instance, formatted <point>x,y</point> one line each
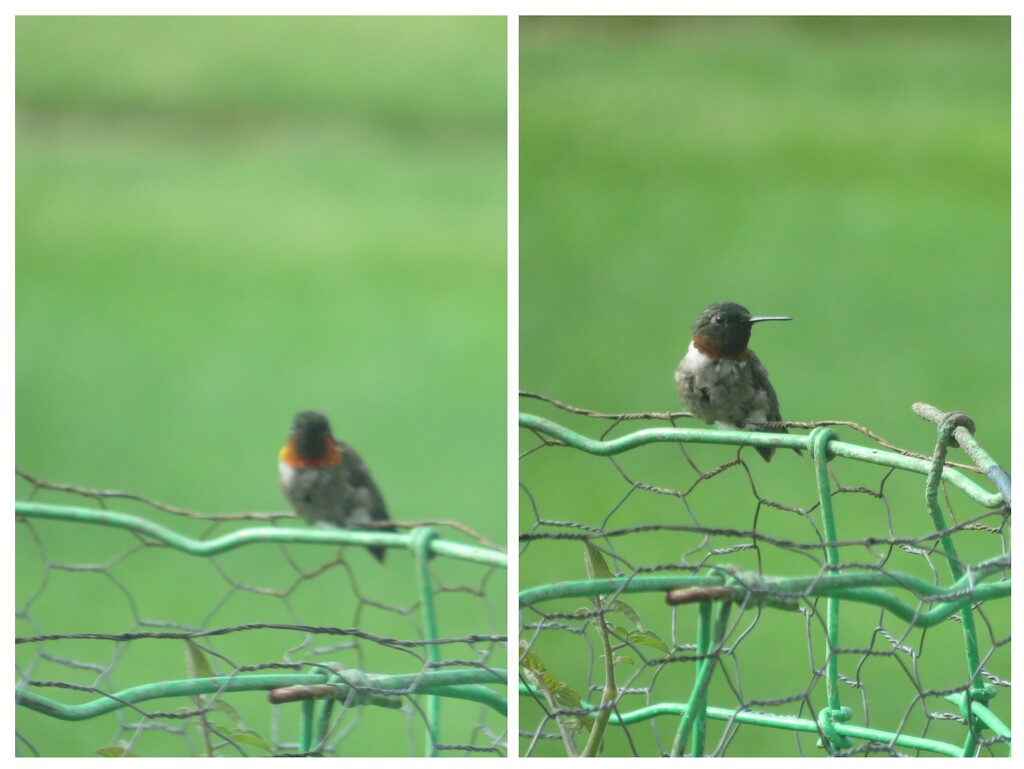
<point>718,320</point>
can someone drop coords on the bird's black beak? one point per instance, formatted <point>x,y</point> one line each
<point>767,317</point>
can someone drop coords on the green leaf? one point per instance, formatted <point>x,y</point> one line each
<point>536,672</point>
<point>195,662</point>
<point>648,638</point>
<point>574,723</point>
<point>249,737</point>
<point>116,751</point>
<point>597,568</point>
<point>230,711</point>
<point>565,696</point>
<point>627,611</point>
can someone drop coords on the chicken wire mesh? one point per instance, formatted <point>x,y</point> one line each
<point>674,603</point>
<point>149,630</point>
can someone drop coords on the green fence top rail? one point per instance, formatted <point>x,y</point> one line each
<point>745,438</point>
<point>258,534</point>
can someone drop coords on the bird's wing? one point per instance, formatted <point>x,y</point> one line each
<point>361,481</point>
<point>761,382</point>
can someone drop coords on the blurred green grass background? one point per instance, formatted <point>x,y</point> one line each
<point>224,221</point>
<point>851,173</point>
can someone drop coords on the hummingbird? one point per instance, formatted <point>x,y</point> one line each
<point>326,481</point>
<point>721,380</point>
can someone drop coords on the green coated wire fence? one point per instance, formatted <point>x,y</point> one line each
<point>687,599</point>
<point>148,630</point>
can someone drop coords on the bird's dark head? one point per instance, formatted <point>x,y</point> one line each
<point>311,433</point>
<point>723,330</point>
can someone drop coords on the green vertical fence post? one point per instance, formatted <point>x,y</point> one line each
<point>421,552</point>
<point>819,440</point>
<point>976,690</point>
<point>324,720</point>
<point>697,706</point>
<point>306,726</point>
<point>700,721</point>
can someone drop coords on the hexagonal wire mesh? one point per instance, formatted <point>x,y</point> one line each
<point>143,638</point>
<point>850,610</point>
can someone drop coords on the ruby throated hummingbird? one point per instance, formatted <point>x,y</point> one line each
<point>326,481</point>
<point>721,380</point>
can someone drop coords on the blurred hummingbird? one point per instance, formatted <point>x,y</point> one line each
<point>326,481</point>
<point>721,380</point>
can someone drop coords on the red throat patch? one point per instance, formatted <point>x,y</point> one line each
<point>329,458</point>
<point>706,346</point>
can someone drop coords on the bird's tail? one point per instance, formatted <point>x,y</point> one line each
<point>377,551</point>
